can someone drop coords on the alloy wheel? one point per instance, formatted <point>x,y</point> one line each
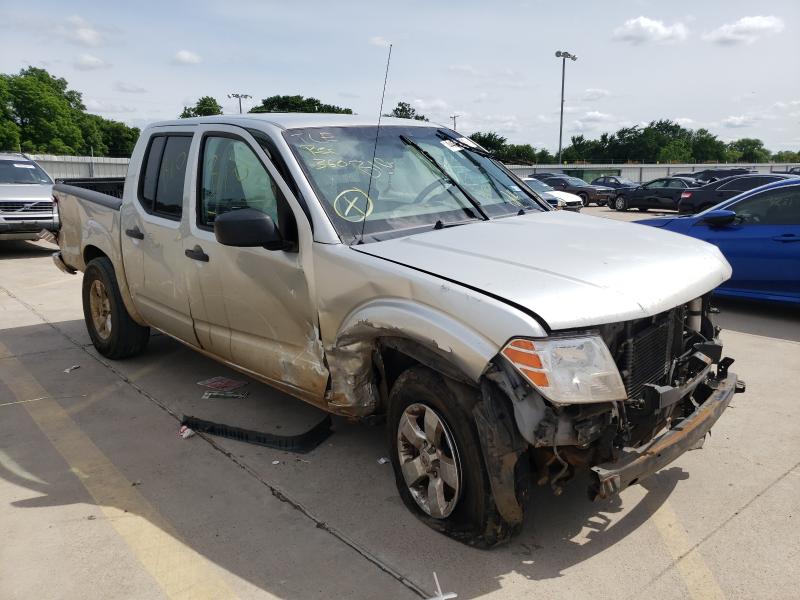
<point>429,460</point>
<point>100,308</point>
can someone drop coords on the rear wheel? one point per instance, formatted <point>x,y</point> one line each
<point>436,455</point>
<point>112,330</point>
<point>621,203</point>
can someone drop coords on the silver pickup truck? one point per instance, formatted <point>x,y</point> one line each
<point>401,271</point>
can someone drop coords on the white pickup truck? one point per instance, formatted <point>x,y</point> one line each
<point>401,271</point>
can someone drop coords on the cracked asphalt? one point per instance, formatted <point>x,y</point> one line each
<point>100,497</point>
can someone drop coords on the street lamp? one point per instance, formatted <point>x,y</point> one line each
<point>239,97</point>
<point>563,55</point>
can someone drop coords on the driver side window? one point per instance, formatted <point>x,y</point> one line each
<point>658,183</point>
<point>233,178</point>
<point>774,207</point>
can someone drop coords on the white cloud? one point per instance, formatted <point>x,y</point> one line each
<point>435,104</point>
<point>735,121</point>
<point>595,94</point>
<point>98,106</point>
<point>79,31</point>
<point>744,31</point>
<point>379,41</point>
<point>642,30</point>
<point>128,88</point>
<point>684,121</point>
<point>89,62</point>
<point>465,70</point>
<point>186,57</point>
<point>592,119</point>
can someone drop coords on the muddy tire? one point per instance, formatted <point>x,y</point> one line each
<point>112,330</point>
<point>431,414</point>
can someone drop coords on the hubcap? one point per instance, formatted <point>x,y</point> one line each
<point>100,307</point>
<point>429,460</point>
<point>620,203</point>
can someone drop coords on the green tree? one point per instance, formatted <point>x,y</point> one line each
<point>676,151</point>
<point>204,107</point>
<point>9,131</point>
<point>297,104</point>
<point>493,142</point>
<point>750,150</point>
<point>786,156</point>
<point>404,110</point>
<point>706,147</point>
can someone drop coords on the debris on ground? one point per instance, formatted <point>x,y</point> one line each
<point>300,443</point>
<point>276,462</point>
<point>222,384</point>
<point>439,595</point>
<point>383,460</point>
<point>135,483</point>
<point>224,395</point>
<point>185,432</point>
<point>72,368</point>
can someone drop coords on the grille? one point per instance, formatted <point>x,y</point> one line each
<point>24,207</point>
<point>647,357</point>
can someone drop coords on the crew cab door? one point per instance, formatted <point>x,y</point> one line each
<point>763,244</point>
<point>252,306</point>
<point>152,217</point>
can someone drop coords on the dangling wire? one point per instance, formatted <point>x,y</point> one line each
<point>375,147</point>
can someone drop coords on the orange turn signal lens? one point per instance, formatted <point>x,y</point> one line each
<point>523,355</point>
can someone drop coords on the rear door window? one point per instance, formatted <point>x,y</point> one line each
<point>163,175</point>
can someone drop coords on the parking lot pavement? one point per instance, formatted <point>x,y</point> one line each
<point>209,517</point>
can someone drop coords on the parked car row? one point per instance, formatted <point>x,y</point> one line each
<point>587,192</point>
<point>557,199</point>
<point>689,196</point>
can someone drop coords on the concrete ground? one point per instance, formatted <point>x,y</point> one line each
<point>100,498</point>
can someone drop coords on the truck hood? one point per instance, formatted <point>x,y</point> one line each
<point>25,192</point>
<point>571,270</point>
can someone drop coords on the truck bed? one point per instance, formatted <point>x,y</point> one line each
<point>111,186</point>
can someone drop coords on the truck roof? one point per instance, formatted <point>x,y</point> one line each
<point>298,120</point>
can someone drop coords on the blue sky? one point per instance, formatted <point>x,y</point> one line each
<point>732,67</point>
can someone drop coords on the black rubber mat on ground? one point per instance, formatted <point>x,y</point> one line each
<point>300,443</point>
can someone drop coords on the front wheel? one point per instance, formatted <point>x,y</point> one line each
<point>584,199</point>
<point>621,203</point>
<point>436,455</point>
<point>112,330</point>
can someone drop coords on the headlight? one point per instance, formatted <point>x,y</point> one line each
<point>561,203</point>
<point>568,370</point>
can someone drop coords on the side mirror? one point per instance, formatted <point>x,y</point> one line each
<point>718,218</point>
<point>248,228</point>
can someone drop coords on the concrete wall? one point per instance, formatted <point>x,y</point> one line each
<point>81,166</point>
<point>86,166</point>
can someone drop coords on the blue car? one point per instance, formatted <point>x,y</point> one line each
<point>758,231</point>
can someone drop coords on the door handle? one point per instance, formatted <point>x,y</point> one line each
<point>197,253</point>
<point>787,237</point>
<point>134,233</point>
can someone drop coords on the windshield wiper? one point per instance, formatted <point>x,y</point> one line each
<point>440,168</point>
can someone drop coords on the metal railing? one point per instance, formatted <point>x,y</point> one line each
<point>63,167</point>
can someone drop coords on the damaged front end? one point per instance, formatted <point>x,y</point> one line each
<point>667,378</point>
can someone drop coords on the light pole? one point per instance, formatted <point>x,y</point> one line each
<point>454,117</point>
<point>239,97</point>
<point>563,55</point>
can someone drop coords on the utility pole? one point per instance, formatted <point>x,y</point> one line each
<point>454,117</point>
<point>239,97</point>
<point>563,55</point>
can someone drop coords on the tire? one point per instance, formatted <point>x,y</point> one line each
<point>473,517</point>
<point>642,208</point>
<point>621,203</point>
<point>584,199</point>
<point>112,330</point>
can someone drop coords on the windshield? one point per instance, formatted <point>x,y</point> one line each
<point>421,179</point>
<point>575,181</point>
<point>22,172</point>
<point>625,181</point>
<point>538,186</point>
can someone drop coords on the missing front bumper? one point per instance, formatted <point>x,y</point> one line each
<point>635,464</point>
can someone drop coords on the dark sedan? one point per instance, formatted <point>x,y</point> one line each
<point>663,194</point>
<point>588,193</point>
<point>620,184</point>
<point>696,199</point>
<point>709,175</point>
